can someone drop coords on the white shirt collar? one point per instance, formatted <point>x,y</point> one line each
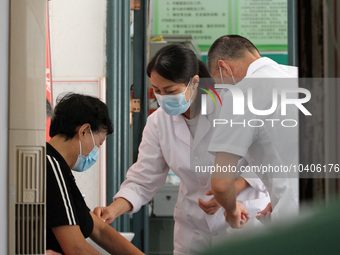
<point>257,64</point>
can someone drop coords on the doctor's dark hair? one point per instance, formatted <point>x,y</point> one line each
<point>74,110</point>
<point>179,64</point>
<point>229,47</point>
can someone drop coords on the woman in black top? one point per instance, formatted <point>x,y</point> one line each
<point>79,126</point>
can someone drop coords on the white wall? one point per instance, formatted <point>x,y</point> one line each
<point>4,37</point>
<point>78,35</point>
<point>78,53</point>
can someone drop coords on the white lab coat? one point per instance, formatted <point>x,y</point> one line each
<point>167,144</point>
<point>265,145</point>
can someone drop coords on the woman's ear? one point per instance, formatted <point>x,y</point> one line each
<point>83,129</point>
<point>195,81</point>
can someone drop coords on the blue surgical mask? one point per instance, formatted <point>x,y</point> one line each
<point>83,163</point>
<point>174,104</point>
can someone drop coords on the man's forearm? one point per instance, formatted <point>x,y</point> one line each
<point>224,192</point>
<point>223,184</point>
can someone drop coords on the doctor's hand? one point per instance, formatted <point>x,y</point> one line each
<point>211,206</point>
<point>114,210</point>
<point>50,252</point>
<point>104,213</point>
<point>238,217</point>
<point>264,215</point>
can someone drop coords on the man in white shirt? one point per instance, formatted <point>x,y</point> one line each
<point>265,136</point>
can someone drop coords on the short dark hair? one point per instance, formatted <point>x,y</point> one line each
<point>229,47</point>
<point>74,110</point>
<point>179,64</point>
<point>49,110</point>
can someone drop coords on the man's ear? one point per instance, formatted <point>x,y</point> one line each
<point>226,66</point>
<point>220,63</point>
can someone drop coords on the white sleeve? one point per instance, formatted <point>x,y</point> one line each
<point>286,204</point>
<point>252,178</point>
<point>255,182</point>
<point>232,134</point>
<point>148,174</point>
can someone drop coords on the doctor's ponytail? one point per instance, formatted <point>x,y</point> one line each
<point>205,79</point>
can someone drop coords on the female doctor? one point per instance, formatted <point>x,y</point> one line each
<point>176,137</point>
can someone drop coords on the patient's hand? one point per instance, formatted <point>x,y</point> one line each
<point>211,206</point>
<point>264,215</point>
<point>238,217</point>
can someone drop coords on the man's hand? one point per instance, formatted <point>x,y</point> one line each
<point>264,215</point>
<point>211,206</point>
<point>238,217</point>
<point>104,213</point>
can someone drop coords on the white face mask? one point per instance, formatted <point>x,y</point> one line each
<point>232,76</point>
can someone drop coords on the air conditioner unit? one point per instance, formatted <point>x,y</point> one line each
<point>27,111</point>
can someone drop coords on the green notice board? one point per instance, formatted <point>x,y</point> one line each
<point>205,20</point>
<point>264,22</point>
